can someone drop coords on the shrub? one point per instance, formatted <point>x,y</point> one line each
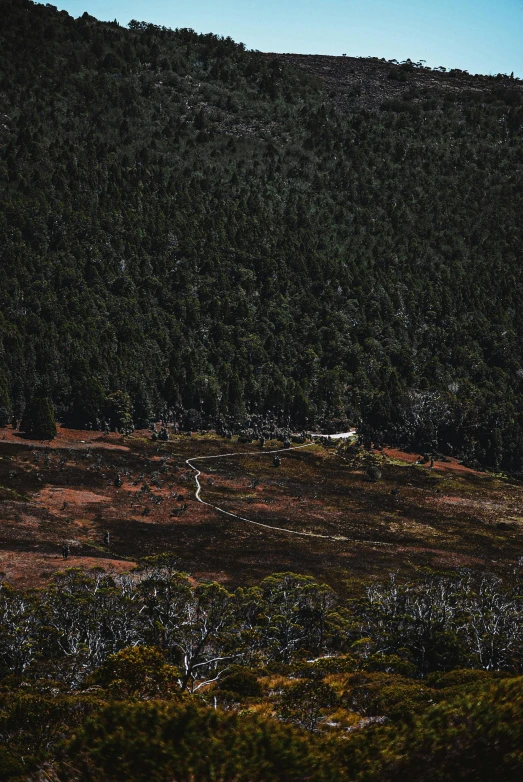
<point>476,736</point>
<point>154,742</point>
<point>240,681</point>
<point>138,671</point>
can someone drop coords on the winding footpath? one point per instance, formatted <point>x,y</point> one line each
<point>338,538</point>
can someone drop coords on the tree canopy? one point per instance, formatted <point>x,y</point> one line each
<point>188,228</point>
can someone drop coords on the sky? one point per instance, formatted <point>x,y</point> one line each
<point>480,36</point>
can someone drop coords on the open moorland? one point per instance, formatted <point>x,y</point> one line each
<point>84,484</point>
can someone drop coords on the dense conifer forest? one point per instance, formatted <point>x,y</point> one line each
<point>193,230</point>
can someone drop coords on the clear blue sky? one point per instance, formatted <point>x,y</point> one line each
<point>481,36</point>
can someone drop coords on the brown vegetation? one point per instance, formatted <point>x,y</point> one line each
<point>413,516</point>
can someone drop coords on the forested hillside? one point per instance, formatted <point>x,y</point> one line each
<point>216,232</point>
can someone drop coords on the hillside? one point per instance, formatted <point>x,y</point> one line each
<point>214,232</point>
<point>317,513</point>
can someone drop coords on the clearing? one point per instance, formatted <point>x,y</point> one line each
<point>143,493</point>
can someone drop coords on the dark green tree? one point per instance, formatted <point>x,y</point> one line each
<point>119,410</point>
<point>38,420</point>
<point>5,402</point>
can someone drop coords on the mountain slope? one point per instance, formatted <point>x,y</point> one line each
<point>220,231</point>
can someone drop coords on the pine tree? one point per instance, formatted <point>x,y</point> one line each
<point>39,421</point>
<point>5,402</point>
<point>118,408</point>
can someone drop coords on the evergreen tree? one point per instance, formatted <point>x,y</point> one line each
<point>5,402</point>
<point>38,420</point>
<point>119,409</point>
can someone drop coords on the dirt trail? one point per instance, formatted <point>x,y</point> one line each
<point>338,538</point>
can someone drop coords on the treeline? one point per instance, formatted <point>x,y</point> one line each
<point>437,624</point>
<point>190,227</point>
<point>149,676</point>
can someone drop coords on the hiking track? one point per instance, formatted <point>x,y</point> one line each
<point>337,538</point>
